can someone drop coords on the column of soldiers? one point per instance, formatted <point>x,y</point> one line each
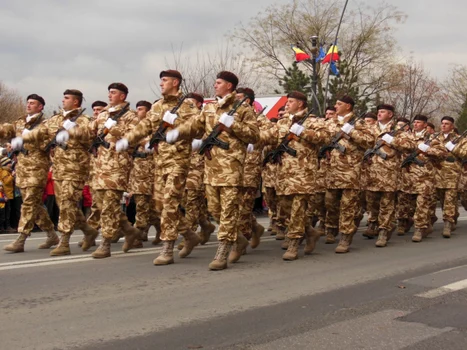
<point>182,162</point>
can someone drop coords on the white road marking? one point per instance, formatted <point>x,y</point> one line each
<point>449,288</point>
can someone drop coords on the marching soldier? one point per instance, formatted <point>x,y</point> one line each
<point>223,167</point>
<point>31,175</point>
<point>172,164</point>
<point>343,179</point>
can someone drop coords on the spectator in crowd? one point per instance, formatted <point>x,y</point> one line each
<point>87,201</point>
<point>3,201</point>
<point>49,199</point>
<point>7,179</point>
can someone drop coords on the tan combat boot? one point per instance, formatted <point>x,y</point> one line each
<point>52,239</point>
<point>447,229</point>
<point>137,243</point>
<point>116,237</point>
<point>166,257</point>
<point>280,234</point>
<point>258,231</point>
<point>311,238</point>
<point>238,249</point>
<point>269,229</point>
<point>382,239</point>
<point>181,244</point>
<point>63,247</point>
<point>157,238</point>
<point>103,251</point>
<point>131,235</point>
<point>428,231</point>
<point>371,231</point>
<point>285,244</point>
<point>344,244</point>
<point>90,235</point>
<point>220,259</point>
<point>417,235</point>
<point>273,227</point>
<point>401,227</point>
<point>292,250</point>
<point>191,241</point>
<point>18,245</point>
<point>321,228</point>
<point>207,228</point>
<point>331,234</point>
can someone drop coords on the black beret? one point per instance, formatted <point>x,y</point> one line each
<point>247,92</point>
<point>451,119</point>
<point>171,73</point>
<point>385,106</point>
<point>98,104</point>
<point>371,115</point>
<point>143,103</point>
<point>421,118</point>
<point>228,77</point>
<point>196,97</point>
<point>347,99</point>
<point>403,120</point>
<point>331,108</point>
<point>119,86</point>
<point>73,92</point>
<point>37,98</point>
<point>431,125</point>
<point>298,95</point>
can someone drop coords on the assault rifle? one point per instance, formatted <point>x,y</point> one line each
<point>413,157</point>
<point>137,154</point>
<point>36,123</point>
<point>376,150</point>
<point>275,156</point>
<point>52,144</point>
<point>212,139</point>
<point>262,111</point>
<point>159,135</point>
<point>100,139</point>
<point>334,144</point>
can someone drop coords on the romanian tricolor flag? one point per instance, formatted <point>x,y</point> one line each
<point>300,55</point>
<point>332,55</point>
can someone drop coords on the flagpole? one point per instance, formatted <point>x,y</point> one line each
<point>332,54</point>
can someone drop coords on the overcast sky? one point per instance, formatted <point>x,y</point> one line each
<point>48,46</point>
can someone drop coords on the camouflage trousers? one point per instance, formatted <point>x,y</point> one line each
<point>317,206</point>
<point>448,199</point>
<point>463,195</point>
<point>67,194</point>
<point>271,199</point>
<point>342,205</point>
<point>382,208</point>
<point>95,217</point>
<point>146,215</point>
<point>246,219</point>
<point>293,209</point>
<point>416,206</point>
<point>111,215</point>
<point>223,204</point>
<point>33,211</point>
<point>195,208</point>
<point>168,194</point>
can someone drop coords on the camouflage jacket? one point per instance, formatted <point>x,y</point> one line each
<point>142,172</point>
<point>195,178</point>
<point>345,169</point>
<point>72,163</point>
<point>225,168</point>
<point>111,167</point>
<point>268,173</point>
<point>32,169</point>
<point>420,179</point>
<point>168,158</point>
<point>296,175</point>
<point>382,174</point>
<point>449,169</point>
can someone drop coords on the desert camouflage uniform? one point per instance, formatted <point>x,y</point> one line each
<point>463,184</point>
<point>95,216</point>
<point>195,198</point>
<point>224,171</point>
<point>172,163</point>
<point>31,175</point>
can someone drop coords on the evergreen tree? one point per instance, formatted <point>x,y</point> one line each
<point>295,80</point>
<point>461,122</point>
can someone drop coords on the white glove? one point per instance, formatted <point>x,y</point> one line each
<point>62,137</point>
<point>172,136</point>
<point>449,146</point>
<point>110,123</point>
<point>17,143</point>
<point>297,129</point>
<point>25,132</point>
<point>68,124</point>
<point>388,138</point>
<point>196,144</point>
<point>147,149</point>
<point>169,117</point>
<point>423,147</point>
<point>347,128</point>
<point>121,145</point>
<point>226,119</point>
<point>250,148</point>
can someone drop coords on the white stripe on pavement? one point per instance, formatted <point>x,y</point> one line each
<point>449,288</point>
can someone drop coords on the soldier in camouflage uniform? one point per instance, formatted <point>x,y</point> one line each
<point>296,175</point>
<point>69,131</point>
<point>343,179</point>
<point>447,179</point>
<point>112,170</point>
<point>141,183</point>
<point>31,175</point>
<point>172,164</point>
<point>223,168</point>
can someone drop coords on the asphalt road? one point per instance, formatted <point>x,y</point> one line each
<point>405,296</point>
